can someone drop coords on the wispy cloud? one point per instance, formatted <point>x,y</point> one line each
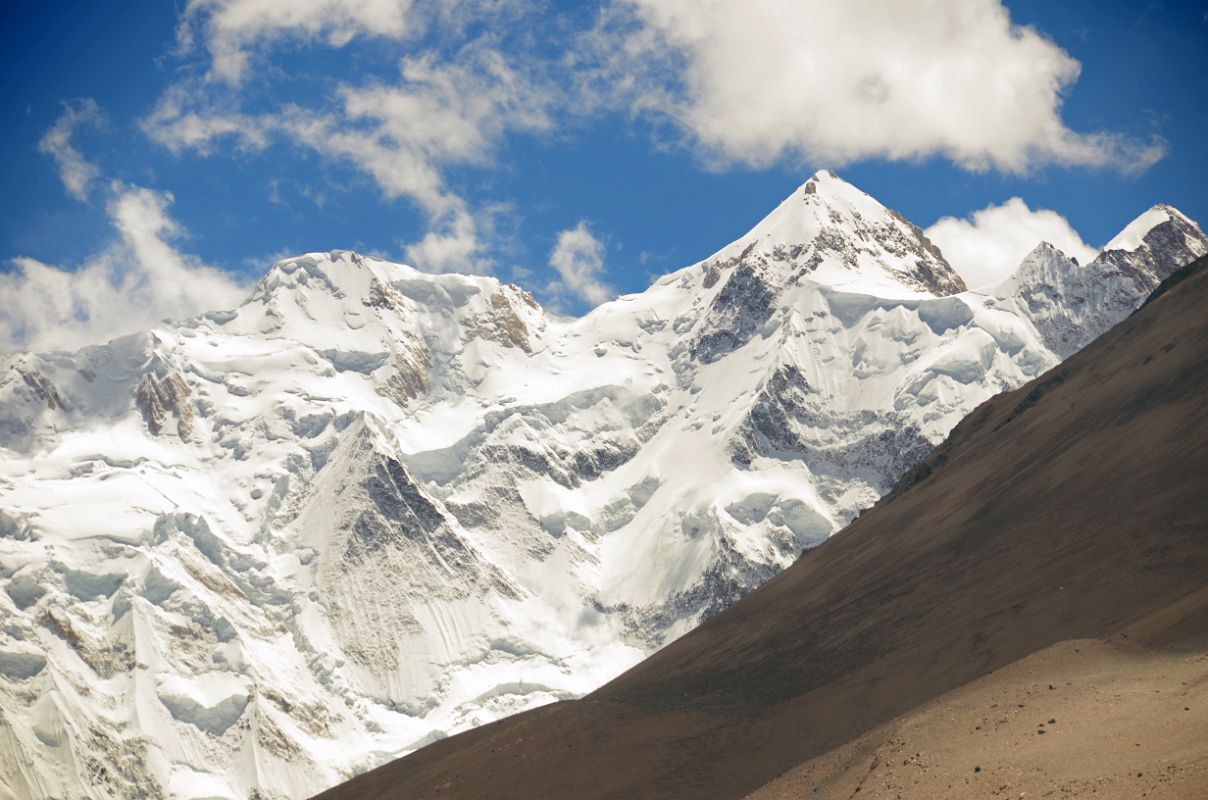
<point>76,172</point>
<point>578,261</point>
<point>405,134</point>
<point>232,30</point>
<point>131,285</point>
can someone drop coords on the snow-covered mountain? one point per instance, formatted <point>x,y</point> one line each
<point>252,553</point>
<point>1070,305</point>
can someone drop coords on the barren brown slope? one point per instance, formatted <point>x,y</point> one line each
<point>1073,508</point>
<point>1107,719</point>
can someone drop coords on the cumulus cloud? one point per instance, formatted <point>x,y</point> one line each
<point>76,172</point>
<point>439,114</point>
<point>989,245</point>
<point>131,285</point>
<point>834,82</point>
<point>578,260</point>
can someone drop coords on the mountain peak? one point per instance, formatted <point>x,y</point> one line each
<point>825,187</point>
<point>1136,232</point>
<point>823,177</point>
<point>1045,249</point>
<point>1070,305</point>
<point>837,235</point>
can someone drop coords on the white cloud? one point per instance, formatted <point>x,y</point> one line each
<point>439,114</point>
<point>989,246</point>
<point>753,83</point>
<point>130,286</point>
<point>74,170</point>
<point>578,260</point>
<point>404,135</point>
<point>234,32</point>
<point>761,80</point>
<point>231,28</point>
<point>179,123</point>
<point>455,246</point>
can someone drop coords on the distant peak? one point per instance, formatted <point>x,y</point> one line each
<point>1135,233</point>
<point>341,273</point>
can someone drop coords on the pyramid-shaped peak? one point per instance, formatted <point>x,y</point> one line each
<point>823,176</point>
<point>1045,250</point>
<point>1044,263</point>
<point>825,200</point>
<point>837,235</point>
<point>1135,233</point>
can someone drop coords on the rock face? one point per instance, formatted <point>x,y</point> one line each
<point>157,399</point>
<point>267,548</point>
<point>1071,305</point>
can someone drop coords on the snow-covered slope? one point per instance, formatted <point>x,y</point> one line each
<point>252,553</point>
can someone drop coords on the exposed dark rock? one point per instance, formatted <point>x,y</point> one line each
<point>400,511</point>
<point>502,323</point>
<point>410,376</point>
<point>156,399</point>
<point>741,308</point>
<point>42,388</point>
<point>783,421</point>
<point>384,296</point>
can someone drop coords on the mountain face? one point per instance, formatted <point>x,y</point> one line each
<point>1067,512</point>
<point>1072,305</point>
<point>264,549</point>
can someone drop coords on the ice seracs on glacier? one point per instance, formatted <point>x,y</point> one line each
<point>404,504</point>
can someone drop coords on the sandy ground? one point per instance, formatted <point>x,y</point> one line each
<point>1083,718</point>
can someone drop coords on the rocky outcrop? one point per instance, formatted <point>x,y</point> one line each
<point>744,304</point>
<point>503,321</point>
<point>157,399</point>
<point>41,387</point>
<point>788,421</point>
<point>409,376</point>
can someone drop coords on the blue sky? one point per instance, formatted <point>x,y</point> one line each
<point>613,140</point>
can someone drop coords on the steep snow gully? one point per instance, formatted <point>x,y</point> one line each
<point>256,552</point>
